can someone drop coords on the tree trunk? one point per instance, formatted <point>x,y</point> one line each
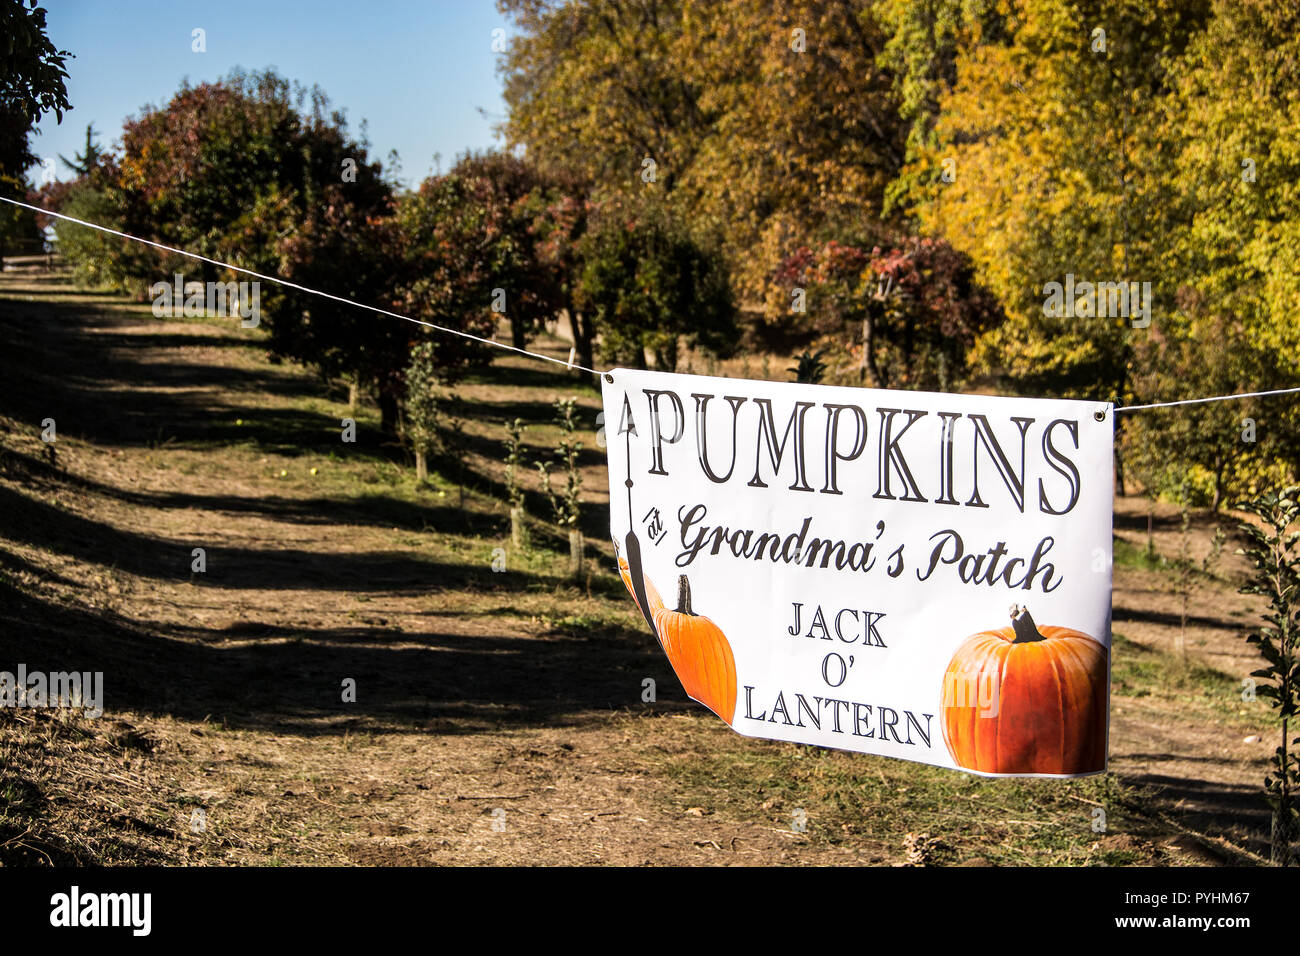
<point>1180,639</point>
<point>664,360</point>
<point>519,536</point>
<point>518,338</point>
<point>354,396</point>
<point>1283,834</point>
<point>582,338</point>
<point>388,413</point>
<point>868,354</point>
<point>421,466</point>
<point>866,344</point>
<point>575,553</point>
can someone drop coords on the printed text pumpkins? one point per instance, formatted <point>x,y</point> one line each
<point>1024,699</point>
<point>699,653</point>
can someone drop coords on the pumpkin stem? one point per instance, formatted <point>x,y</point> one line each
<point>1023,624</point>
<point>684,596</point>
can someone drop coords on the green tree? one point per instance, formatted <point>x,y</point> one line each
<point>31,67</point>
<point>925,38</point>
<point>1222,450</point>
<point>32,83</point>
<point>98,260</point>
<point>423,407</point>
<point>650,284</point>
<point>514,459</point>
<point>88,160</point>
<point>1232,239</point>
<point>1271,549</point>
<point>561,226</point>
<point>566,505</point>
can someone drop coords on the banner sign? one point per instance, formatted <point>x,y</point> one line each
<point>914,574</point>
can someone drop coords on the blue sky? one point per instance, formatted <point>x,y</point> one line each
<point>418,71</point>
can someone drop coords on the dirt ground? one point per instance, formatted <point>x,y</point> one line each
<point>498,717</point>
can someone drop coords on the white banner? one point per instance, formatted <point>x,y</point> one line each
<point>914,574</point>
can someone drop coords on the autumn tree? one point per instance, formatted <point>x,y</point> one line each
<point>761,120</point>
<point>257,172</point>
<point>504,199</point>
<point>1050,138</point>
<point>451,268</point>
<point>349,244</point>
<point>561,226</point>
<point>1234,169</point>
<point>598,86</point>
<point>902,315</point>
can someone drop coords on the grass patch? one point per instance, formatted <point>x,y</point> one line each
<point>890,809</point>
<point>1129,555</point>
<point>1138,670</point>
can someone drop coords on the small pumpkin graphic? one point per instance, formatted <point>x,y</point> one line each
<point>699,653</point>
<point>651,592</point>
<point>1025,699</point>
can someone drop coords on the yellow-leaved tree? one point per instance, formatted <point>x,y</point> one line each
<point>1050,170</point>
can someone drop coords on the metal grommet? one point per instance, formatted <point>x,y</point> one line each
<point>1100,415</point>
<point>609,378</point>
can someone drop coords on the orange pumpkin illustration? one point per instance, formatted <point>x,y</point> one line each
<point>651,592</point>
<point>1024,699</point>
<point>699,653</point>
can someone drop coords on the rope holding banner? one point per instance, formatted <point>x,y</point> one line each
<point>302,288</point>
<point>1200,401</point>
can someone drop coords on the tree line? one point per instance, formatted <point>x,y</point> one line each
<point>891,185</point>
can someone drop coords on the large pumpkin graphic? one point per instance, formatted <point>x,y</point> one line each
<point>699,653</point>
<point>1025,699</point>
